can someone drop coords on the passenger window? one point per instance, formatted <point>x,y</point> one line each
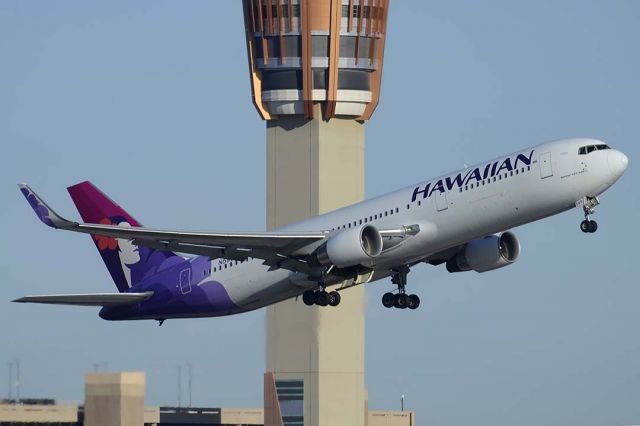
<point>516,171</point>
<point>397,210</point>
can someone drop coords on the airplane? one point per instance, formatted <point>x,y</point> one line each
<point>462,220</point>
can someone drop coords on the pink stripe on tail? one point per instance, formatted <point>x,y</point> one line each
<point>95,206</point>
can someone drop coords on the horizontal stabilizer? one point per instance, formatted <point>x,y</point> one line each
<point>95,299</point>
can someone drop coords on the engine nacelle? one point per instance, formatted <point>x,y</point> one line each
<point>351,247</point>
<point>486,254</point>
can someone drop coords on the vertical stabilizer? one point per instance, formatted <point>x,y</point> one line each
<point>127,262</point>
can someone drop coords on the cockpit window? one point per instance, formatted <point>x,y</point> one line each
<point>590,148</point>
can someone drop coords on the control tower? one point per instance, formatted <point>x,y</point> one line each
<point>315,69</point>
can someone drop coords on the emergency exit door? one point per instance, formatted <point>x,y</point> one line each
<point>185,281</point>
<point>546,168</point>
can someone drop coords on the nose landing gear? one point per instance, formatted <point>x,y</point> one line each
<point>588,206</point>
<point>401,300</point>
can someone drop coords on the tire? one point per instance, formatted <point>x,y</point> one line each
<point>321,298</point>
<point>388,300</point>
<point>334,298</point>
<point>400,301</point>
<point>593,226</point>
<point>585,226</point>
<point>414,302</point>
<point>308,298</point>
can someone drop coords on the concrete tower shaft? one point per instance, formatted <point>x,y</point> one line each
<point>303,52</point>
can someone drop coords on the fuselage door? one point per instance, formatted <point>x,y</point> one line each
<point>185,281</point>
<point>441,201</point>
<point>546,169</point>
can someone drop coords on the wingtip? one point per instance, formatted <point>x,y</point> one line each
<point>24,188</point>
<point>42,210</point>
<point>19,300</point>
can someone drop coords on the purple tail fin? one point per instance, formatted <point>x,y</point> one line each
<point>127,263</point>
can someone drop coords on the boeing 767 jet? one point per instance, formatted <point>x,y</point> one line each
<point>461,220</point>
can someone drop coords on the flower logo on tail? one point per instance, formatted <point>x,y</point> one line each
<point>105,242</point>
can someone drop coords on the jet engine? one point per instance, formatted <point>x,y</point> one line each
<point>486,254</point>
<point>351,247</point>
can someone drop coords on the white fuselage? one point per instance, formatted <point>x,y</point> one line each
<point>450,210</point>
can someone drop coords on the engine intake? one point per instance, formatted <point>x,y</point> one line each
<point>351,247</point>
<point>485,254</point>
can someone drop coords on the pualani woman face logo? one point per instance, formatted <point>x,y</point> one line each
<point>127,252</point>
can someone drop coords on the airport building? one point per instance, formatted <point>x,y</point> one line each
<point>117,399</point>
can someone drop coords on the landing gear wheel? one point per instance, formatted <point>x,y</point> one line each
<point>334,298</point>
<point>388,300</point>
<point>321,298</point>
<point>414,302</point>
<point>400,301</point>
<point>584,226</point>
<point>308,298</point>
<point>589,226</point>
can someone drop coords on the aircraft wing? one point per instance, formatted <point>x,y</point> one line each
<point>277,249</point>
<point>95,299</point>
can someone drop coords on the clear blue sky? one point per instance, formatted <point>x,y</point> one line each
<point>150,100</point>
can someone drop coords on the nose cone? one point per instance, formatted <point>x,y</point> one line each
<point>618,163</point>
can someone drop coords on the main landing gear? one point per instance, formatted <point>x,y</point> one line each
<point>321,298</point>
<point>588,206</point>
<point>400,300</point>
